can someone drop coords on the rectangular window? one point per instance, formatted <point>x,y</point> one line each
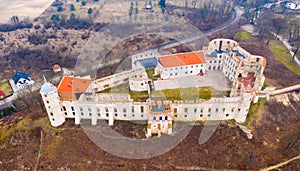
<point>175,110</point>
<point>142,109</point>
<point>185,110</point>
<point>166,118</point>
<point>72,108</point>
<point>64,108</point>
<point>124,110</point>
<point>195,110</point>
<point>132,109</point>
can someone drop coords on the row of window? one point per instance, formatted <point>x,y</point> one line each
<point>176,68</point>
<point>107,115</point>
<point>215,61</point>
<point>115,109</point>
<point>228,42</point>
<point>201,115</point>
<point>214,68</point>
<point>186,72</point>
<point>186,110</point>
<point>160,118</point>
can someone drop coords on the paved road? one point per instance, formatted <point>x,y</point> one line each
<point>237,15</point>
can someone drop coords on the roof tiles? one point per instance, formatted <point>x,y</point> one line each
<point>182,59</point>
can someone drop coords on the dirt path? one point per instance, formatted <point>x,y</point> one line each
<point>281,164</point>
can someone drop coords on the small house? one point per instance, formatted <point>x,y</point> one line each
<point>56,68</point>
<point>22,80</point>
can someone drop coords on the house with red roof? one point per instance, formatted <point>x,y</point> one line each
<point>56,68</point>
<point>180,65</point>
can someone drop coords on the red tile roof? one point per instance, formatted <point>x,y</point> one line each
<point>69,86</point>
<point>182,59</point>
<point>56,67</point>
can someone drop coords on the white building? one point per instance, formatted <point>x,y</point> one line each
<point>180,65</point>
<point>79,97</point>
<point>293,5</point>
<point>21,80</point>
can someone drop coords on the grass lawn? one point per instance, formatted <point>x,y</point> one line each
<point>266,84</point>
<point>254,109</point>
<point>244,35</point>
<point>150,73</point>
<point>6,88</point>
<point>188,93</point>
<point>283,56</point>
<point>169,94</point>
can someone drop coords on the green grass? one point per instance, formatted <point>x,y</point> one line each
<point>266,84</point>
<point>254,109</point>
<point>243,35</point>
<point>6,88</point>
<point>282,55</point>
<point>124,89</point>
<point>151,76</point>
<point>182,94</point>
<point>169,94</point>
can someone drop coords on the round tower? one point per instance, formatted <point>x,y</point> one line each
<point>52,104</point>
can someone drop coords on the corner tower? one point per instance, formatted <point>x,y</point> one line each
<point>52,104</point>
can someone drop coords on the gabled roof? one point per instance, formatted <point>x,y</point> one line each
<point>72,85</point>
<point>18,75</point>
<point>182,59</point>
